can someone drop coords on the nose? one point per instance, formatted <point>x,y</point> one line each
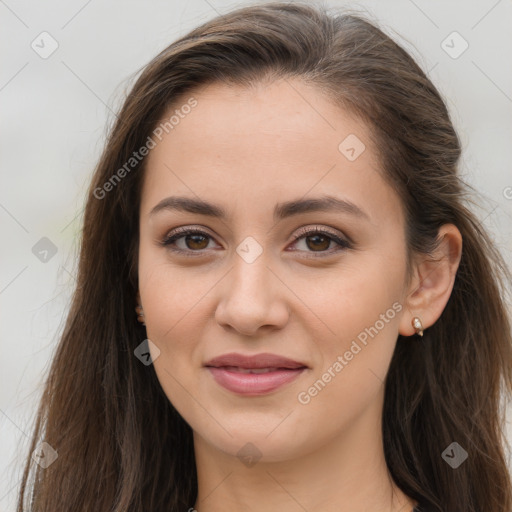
<point>252,298</point>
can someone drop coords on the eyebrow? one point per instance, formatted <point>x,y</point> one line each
<point>283,210</point>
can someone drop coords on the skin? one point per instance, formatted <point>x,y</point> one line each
<point>247,149</point>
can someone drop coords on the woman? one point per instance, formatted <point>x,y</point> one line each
<point>321,324</point>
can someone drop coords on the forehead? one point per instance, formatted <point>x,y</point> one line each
<point>276,141</point>
<point>284,114</point>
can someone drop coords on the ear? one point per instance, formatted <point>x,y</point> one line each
<point>432,282</point>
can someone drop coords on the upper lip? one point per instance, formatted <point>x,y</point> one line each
<point>264,360</point>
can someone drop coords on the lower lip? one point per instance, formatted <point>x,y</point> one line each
<point>253,383</point>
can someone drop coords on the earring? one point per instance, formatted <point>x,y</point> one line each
<point>140,314</point>
<point>418,326</point>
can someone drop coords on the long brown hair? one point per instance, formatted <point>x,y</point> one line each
<point>121,444</point>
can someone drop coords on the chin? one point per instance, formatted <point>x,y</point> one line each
<point>255,444</point>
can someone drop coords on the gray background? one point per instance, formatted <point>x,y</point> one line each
<point>55,112</point>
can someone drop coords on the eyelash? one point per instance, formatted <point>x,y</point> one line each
<point>182,232</point>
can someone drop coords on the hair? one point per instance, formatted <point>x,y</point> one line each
<point>121,444</point>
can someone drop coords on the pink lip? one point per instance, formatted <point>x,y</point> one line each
<point>252,383</point>
<point>226,371</point>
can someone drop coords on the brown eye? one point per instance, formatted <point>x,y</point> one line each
<point>196,241</point>
<point>318,242</point>
<point>190,241</point>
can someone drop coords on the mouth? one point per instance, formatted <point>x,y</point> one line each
<point>254,375</point>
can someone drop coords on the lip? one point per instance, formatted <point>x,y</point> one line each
<point>263,360</point>
<point>231,372</point>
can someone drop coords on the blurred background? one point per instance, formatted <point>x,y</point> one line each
<point>66,69</point>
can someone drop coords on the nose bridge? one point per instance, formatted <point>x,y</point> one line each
<point>250,275</point>
<point>251,294</point>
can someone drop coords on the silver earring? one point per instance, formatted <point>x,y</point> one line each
<point>418,326</point>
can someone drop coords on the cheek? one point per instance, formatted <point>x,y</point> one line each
<point>346,301</point>
<point>171,295</point>
<point>174,301</point>
<point>351,378</point>
<point>360,310</point>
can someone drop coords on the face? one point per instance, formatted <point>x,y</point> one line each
<point>322,285</point>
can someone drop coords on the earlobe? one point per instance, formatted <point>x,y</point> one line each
<point>433,282</point>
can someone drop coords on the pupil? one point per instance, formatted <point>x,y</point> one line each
<point>315,243</point>
<point>194,240</point>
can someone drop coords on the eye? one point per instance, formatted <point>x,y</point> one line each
<point>194,241</point>
<point>319,239</point>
